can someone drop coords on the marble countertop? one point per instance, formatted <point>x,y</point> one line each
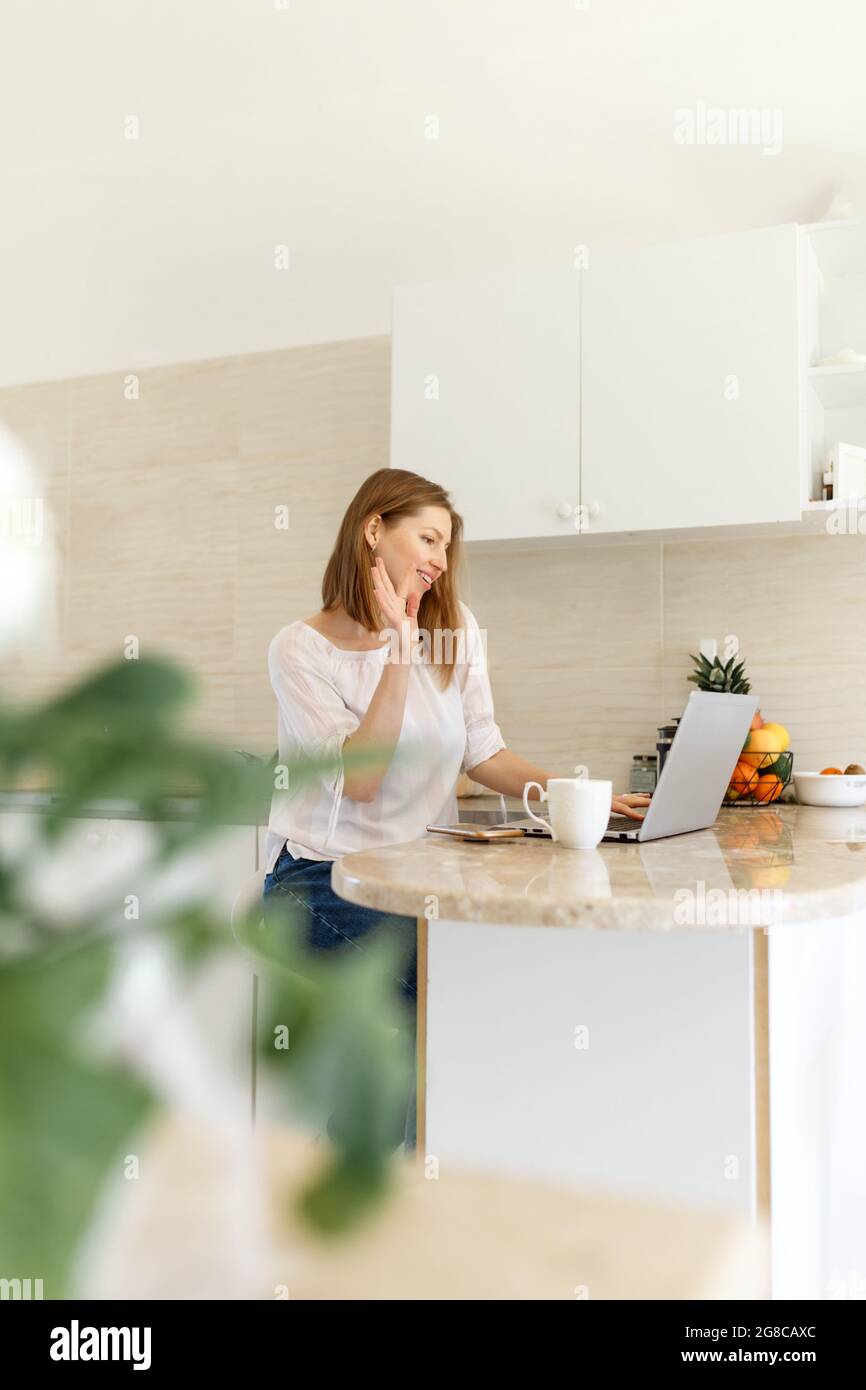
<point>755,866</point>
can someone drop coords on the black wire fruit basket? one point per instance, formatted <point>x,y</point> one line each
<point>759,779</point>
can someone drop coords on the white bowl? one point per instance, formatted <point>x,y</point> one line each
<point>830,789</point>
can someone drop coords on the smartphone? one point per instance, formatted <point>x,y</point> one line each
<point>466,831</point>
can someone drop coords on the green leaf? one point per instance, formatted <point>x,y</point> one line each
<point>154,687</point>
<point>351,1052</point>
<point>63,1116</point>
<point>341,1196</point>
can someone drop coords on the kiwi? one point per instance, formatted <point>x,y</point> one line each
<point>854,769</point>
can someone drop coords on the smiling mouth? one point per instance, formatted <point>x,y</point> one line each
<point>425,578</point>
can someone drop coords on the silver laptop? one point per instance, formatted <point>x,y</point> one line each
<point>696,773</point>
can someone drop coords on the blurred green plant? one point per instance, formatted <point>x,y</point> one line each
<point>66,1114</point>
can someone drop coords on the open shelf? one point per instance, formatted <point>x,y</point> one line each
<point>832,319</point>
<point>840,247</point>
<point>837,387</point>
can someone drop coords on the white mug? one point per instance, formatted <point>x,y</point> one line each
<point>579,809</point>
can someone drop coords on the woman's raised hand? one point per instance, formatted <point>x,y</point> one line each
<point>397,606</point>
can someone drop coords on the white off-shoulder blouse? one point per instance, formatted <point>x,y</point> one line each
<point>323,694</point>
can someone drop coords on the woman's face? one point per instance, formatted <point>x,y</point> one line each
<point>417,543</point>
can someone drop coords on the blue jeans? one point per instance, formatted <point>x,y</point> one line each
<point>332,923</point>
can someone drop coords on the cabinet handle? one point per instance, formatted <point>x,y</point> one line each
<point>564,509</point>
<point>584,514</point>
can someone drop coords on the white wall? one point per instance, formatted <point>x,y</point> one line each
<point>263,123</point>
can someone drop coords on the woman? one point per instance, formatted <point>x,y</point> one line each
<point>343,682</point>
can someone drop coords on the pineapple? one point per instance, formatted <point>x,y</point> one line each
<point>712,675</point>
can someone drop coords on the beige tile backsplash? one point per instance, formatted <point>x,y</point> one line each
<point>163,509</point>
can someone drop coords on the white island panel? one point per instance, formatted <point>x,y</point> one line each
<point>654,1099</point>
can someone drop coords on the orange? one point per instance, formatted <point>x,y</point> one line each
<point>744,779</point>
<point>762,761</point>
<point>768,788</point>
<point>831,772</point>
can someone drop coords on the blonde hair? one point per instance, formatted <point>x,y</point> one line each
<point>393,493</point>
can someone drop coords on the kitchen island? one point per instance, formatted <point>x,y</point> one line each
<point>678,1020</point>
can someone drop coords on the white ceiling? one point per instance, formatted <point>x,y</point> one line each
<point>305,126</point>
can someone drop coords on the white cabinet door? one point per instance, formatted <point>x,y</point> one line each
<point>212,872</point>
<point>109,862</point>
<point>485,396</point>
<point>690,384</point>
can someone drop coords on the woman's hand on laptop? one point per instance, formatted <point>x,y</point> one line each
<point>623,804</point>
